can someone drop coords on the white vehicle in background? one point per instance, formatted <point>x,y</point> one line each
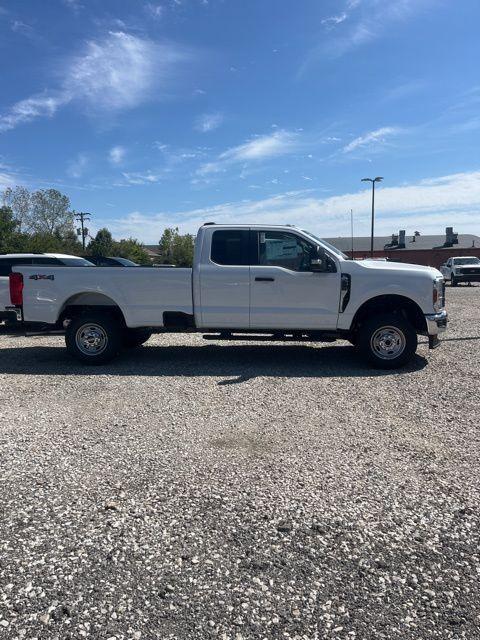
<point>461,269</point>
<point>248,282</point>
<point>10,260</point>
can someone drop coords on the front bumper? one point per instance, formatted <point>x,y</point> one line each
<point>467,277</point>
<point>436,322</point>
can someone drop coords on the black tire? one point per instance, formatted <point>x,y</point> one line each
<point>453,281</point>
<point>135,337</point>
<point>94,338</point>
<point>387,341</point>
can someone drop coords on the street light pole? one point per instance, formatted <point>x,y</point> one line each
<point>373,181</point>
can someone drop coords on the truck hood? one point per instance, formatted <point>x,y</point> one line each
<point>379,265</point>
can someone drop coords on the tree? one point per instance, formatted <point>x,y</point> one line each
<point>49,212</point>
<point>19,201</point>
<point>165,246</point>
<point>182,251</point>
<point>70,243</point>
<point>131,249</point>
<point>175,248</point>
<point>102,244</point>
<point>9,239</point>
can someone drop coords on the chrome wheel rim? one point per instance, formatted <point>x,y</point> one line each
<point>91,339</point>
<point>388,343</point>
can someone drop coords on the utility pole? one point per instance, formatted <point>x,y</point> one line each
<point>83,231</point>
<point>351,228</point>
<point>373,181</point>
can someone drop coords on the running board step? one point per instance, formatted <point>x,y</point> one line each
<point>280,337</point>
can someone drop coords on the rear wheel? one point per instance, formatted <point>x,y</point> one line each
<point>135,337</point>
<point>388,341</point>
<point>94,339</point>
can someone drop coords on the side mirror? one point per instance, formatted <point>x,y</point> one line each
<point>318,261</point>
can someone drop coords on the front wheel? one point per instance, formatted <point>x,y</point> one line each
<point>94,339</point>
<point>388,341</point>
<point>453,281</point>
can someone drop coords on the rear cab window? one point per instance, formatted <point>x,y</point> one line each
<point>230,247</point>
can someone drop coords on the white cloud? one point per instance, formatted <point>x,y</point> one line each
<point>373,137</point>
<point>117,154</point>
<point>373,19</point>
<point>332,21</point>
<point>120,71</point>
<point>146,177</point>
<point>6,180</point>
<point>75,5</point>
<point>155,10</point>
<point>117,72</point>
<point>260,148</point>
<point>43,105</point>
<point>208,122</point>
<point>77,167</point>
<point>428,205</point>
<point>21,27</point>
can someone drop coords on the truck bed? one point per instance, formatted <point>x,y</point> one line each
<point>143,294</point>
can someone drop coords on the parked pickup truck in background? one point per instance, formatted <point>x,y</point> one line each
<point>247,282</point>
<point>461,269</point>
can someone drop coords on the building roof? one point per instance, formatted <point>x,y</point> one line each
<point>465,241</point>
<point>151,249</point>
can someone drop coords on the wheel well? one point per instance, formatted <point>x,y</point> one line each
<point>391,304</point>
<point>88,302</point>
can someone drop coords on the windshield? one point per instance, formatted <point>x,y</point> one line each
<point>76,262</point>
<point>333,249</point>
<point>466,261</point>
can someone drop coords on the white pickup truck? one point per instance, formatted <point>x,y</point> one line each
<point>248,282</point>
<point>461,269</point>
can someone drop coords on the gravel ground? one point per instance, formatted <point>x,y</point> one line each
<point>235,491</point>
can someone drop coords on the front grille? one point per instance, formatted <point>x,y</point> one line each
<point>471,271</point>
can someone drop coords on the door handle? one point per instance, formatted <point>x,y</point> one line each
<point>264,279</point>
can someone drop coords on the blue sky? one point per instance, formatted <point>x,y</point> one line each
<point>176,112</point>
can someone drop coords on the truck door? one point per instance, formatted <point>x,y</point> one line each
<point>284,292</point>
<point>225,280</point>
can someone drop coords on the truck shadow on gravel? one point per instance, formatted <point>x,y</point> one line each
<point>236,363</point>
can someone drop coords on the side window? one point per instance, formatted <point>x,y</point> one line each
<point>449,262</point>
<point>230,247</point>
<point>5,267</point>
<point>46,261</point>
<point>282,249</point>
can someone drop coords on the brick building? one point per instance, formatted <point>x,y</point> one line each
<point>431,251</point>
